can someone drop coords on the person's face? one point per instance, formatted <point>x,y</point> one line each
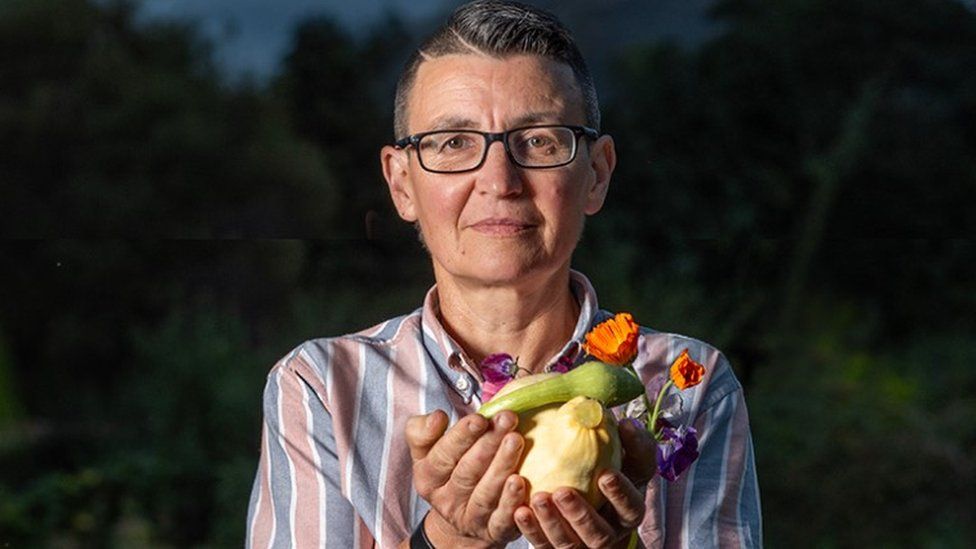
<point>500,222</point>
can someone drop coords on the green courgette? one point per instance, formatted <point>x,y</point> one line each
<point>611,385</point>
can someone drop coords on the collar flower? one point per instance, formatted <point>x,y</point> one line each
<point>614,341</point>
<point>497,369</point>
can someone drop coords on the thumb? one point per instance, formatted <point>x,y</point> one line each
<point>423,431</point>
<point>640,451</point>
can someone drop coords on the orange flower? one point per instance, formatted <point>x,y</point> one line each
<point>685,372</point>
<point>614,341</point>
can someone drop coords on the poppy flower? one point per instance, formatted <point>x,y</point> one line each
<point>685,372</point>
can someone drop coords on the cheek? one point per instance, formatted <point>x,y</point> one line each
<point>567,199</point>
<point>439,210</point>
<point>565,213</point>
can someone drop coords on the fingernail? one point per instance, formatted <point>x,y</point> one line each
<point>504,421</point>
<point>513,485</point>
<point>512,443</point>
<point>610,482</point>
<point>564,498</point>
<point>476,426</point>
<point>429,422</point>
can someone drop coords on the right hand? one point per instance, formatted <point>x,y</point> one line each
<point>468,475</point>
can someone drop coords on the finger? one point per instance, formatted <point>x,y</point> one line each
<point>423,431</point>
<point>473,467</point>
<point>501,524</point>
<point>626,500</point>
<point>592,529</point>
<point>489,484</point>
<point>436,468</point>
<point>550,519</point>
<point>640,452</point>
<point>529,526</point>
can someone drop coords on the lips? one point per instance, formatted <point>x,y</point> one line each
<point>502,226</point>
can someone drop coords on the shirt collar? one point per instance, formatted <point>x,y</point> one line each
<point>455,364</point>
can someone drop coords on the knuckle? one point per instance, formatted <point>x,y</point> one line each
<point>601,540</point>
<point>480,507</point>
<point>633,519</point>
<point>436,460</point>
<point>463,480</point>
<point>501,533</point>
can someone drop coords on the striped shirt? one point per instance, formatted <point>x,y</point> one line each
<point>335,470</point>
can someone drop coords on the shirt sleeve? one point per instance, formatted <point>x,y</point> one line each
<point>719,502</point>
<point>297,500</point>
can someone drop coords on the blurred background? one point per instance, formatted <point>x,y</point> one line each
<point>190,189</point>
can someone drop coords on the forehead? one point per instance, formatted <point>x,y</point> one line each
<point>491,93</point>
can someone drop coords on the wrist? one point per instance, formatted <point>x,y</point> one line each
<point>442,534</point>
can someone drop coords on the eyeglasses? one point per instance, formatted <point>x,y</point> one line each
<point>456,151</point>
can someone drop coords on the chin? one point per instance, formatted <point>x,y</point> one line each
<point>499,272</point>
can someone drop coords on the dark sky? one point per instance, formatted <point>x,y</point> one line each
<point>252,35</point>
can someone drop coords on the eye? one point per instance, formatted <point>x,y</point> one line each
<point>538,141</point>
<point>455,143</point>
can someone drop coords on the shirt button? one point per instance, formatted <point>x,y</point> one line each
<point>462,383</point>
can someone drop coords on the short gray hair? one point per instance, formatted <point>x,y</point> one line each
<point>499,28</point>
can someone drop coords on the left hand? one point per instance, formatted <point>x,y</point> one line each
<point>565,519</point>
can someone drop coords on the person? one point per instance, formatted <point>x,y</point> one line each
<point>371,438</point>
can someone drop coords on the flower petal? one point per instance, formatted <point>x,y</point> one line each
<point>498,367</point>
<point>685,372</point>
<point>614,341</point>
<point>677,449</point>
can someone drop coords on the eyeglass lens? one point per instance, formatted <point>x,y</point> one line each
<point>464,150</point>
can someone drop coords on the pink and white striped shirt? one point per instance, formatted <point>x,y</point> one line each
<point>335,470</point>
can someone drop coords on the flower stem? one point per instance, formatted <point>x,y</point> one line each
<point>651,425</point>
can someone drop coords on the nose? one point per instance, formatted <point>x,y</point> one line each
<point>499,175</point>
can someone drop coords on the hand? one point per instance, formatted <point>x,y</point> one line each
<point>467,476</point>
<point>566,519</point>
<point>639,461</point>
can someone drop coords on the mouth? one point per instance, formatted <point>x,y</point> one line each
<point>502,226</point>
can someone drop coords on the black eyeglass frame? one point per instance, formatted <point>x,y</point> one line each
<point>578,131</point>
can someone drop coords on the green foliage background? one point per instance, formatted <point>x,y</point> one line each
<point>797,190</point>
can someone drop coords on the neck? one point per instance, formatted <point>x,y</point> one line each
<point>531,321</point>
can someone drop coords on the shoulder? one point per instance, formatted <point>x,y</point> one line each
<point>326,361</point>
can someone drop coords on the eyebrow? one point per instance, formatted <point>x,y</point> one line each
<point>453,122</point>
<point>542,117</point>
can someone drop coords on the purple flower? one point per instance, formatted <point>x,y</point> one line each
<point>677,449</point>
<point>497,369</point>
<point>563,365</point>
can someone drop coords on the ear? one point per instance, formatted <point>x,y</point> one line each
<point>396,164</point>
<point>603,159</point>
